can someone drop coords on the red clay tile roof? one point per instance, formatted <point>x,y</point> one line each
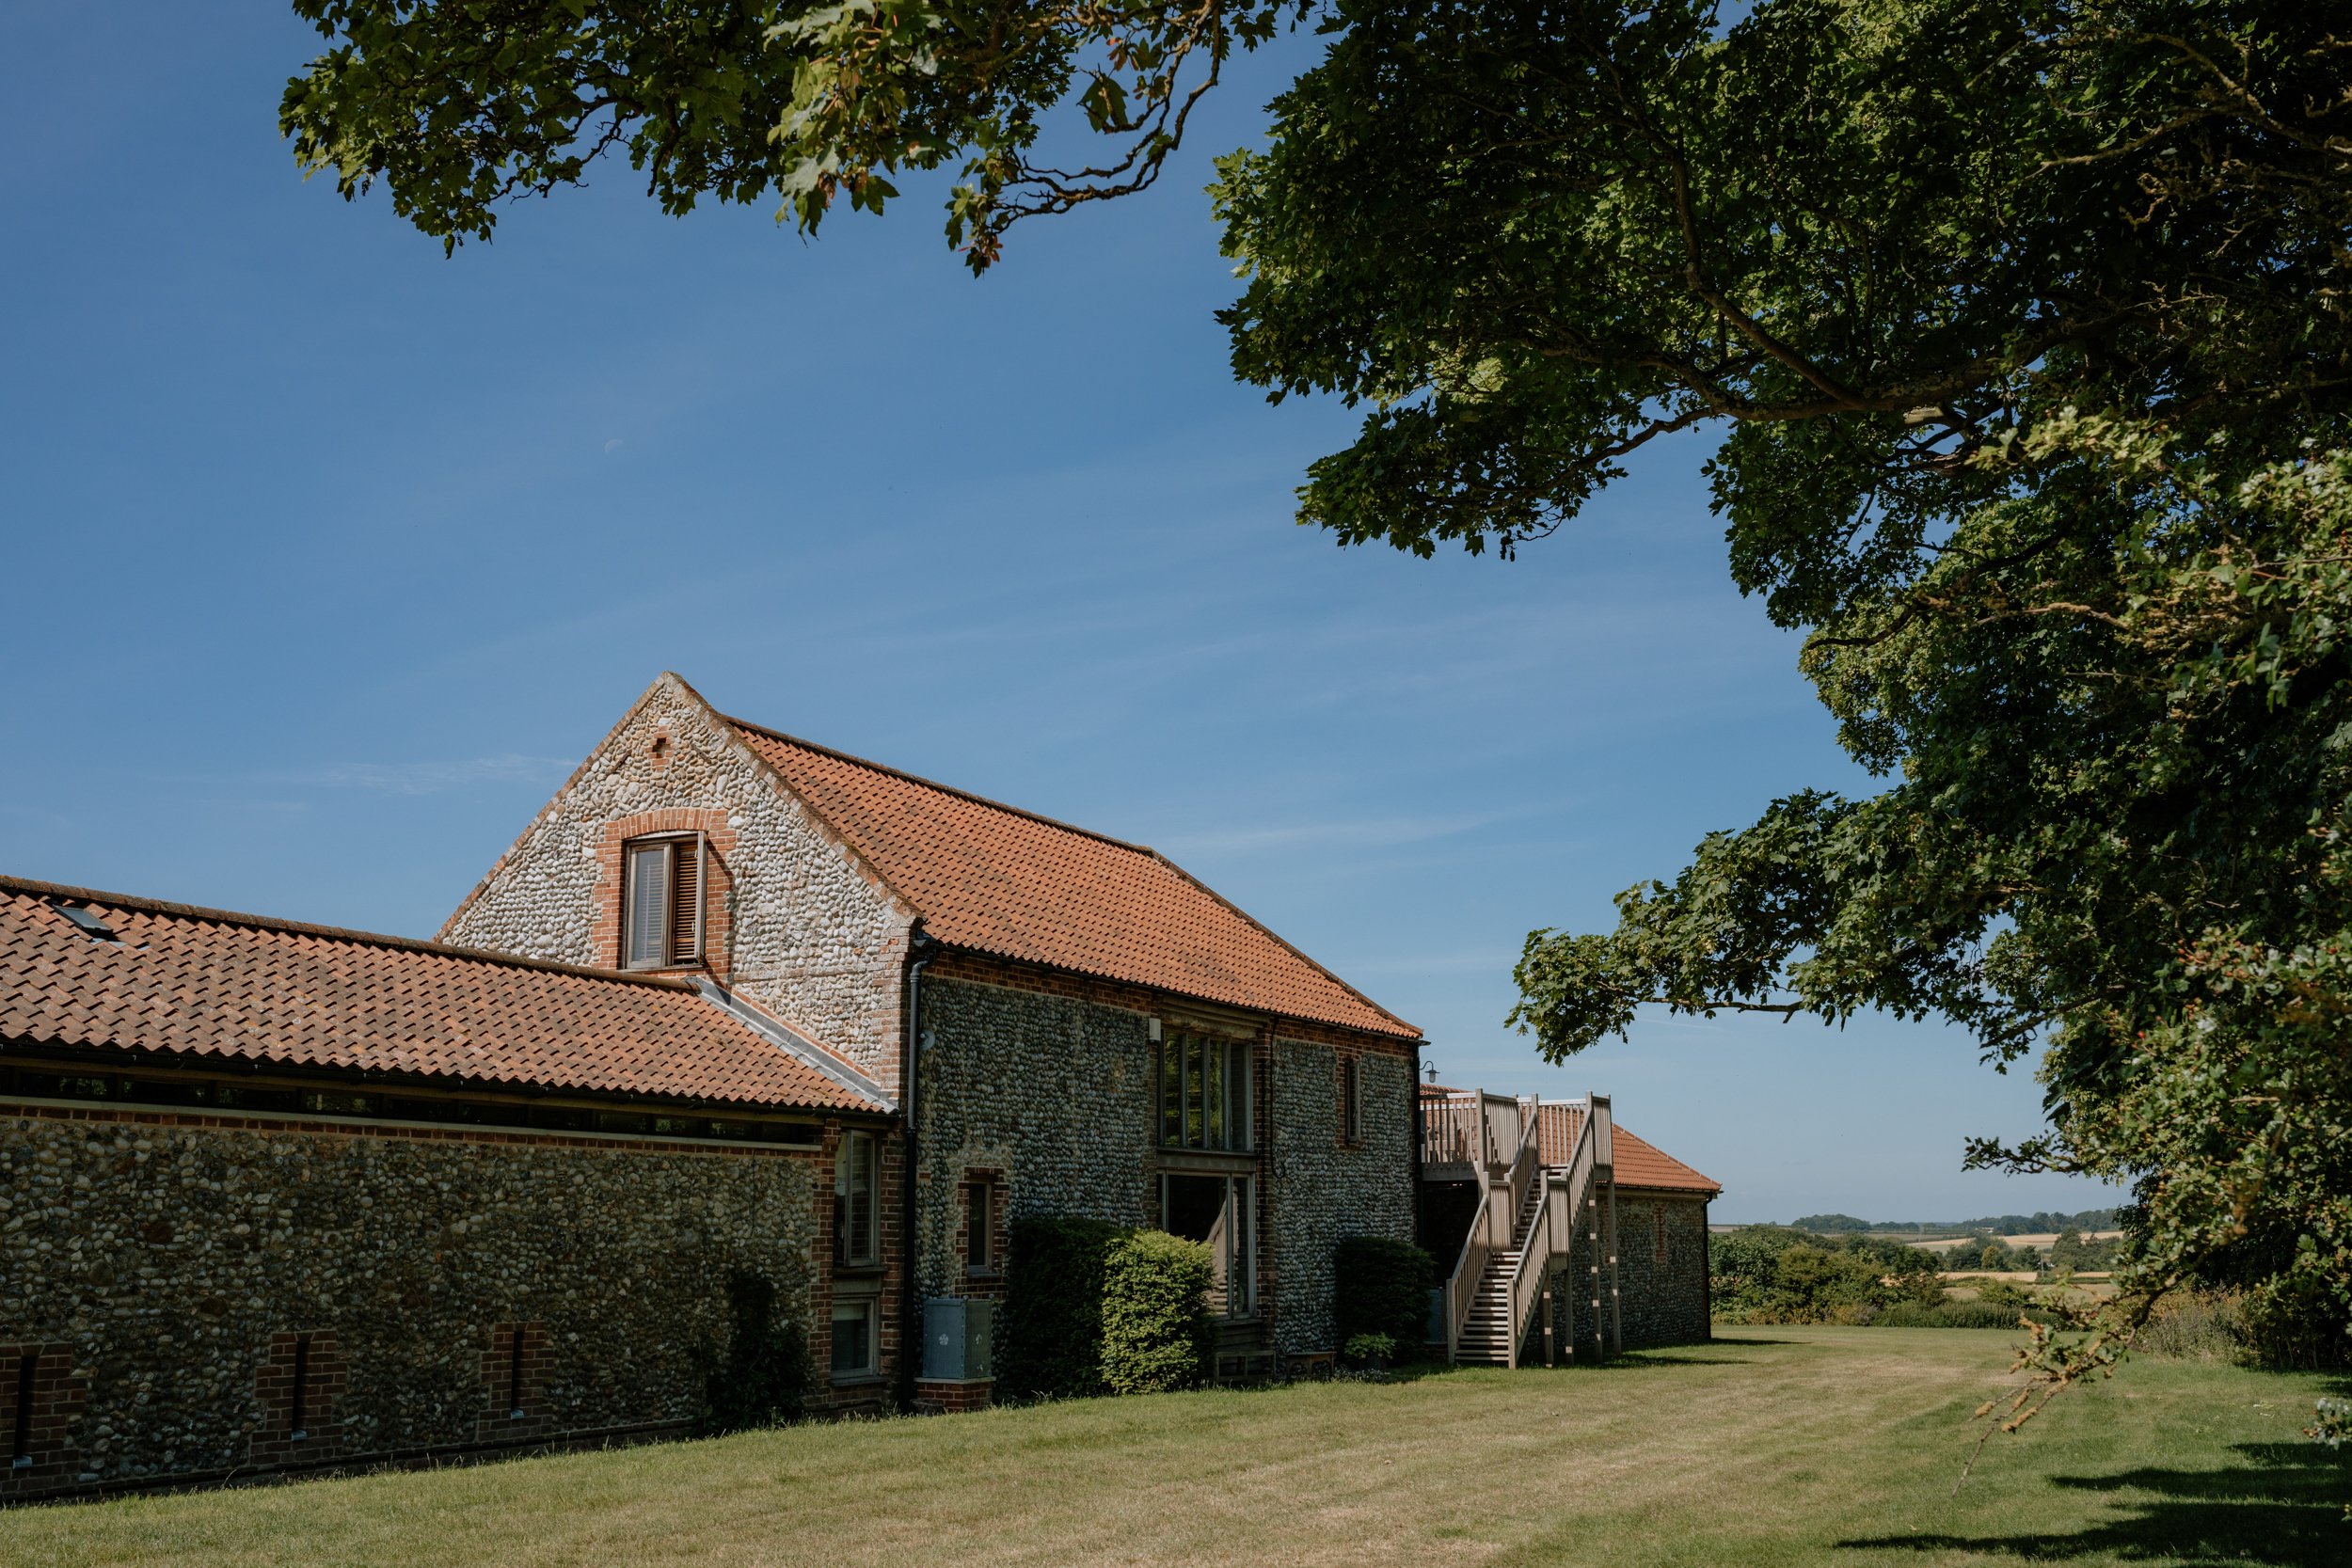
<point>1007,881</point>
<point>203,984</point>
<point>1641,1163</point>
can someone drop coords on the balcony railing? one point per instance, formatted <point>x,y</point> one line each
<point>1462,1128</point>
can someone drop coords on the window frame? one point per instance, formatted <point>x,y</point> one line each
<point>846,1310</point>
<point>673,954</point>
<point>979,1224</point>
<point>1206,1099</point>
<point>1351,1099</point>
<point>847,1254</point>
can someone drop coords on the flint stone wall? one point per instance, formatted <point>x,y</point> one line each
<point>1660,1302</point>
<point>166,1257</point>
<point>1323,1190</point>
<point>1052,1092</point>
<point>807,935</point>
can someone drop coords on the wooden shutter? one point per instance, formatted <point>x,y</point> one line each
<point>686,901</point>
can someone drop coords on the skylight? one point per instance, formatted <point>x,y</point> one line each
<point>86,921</point>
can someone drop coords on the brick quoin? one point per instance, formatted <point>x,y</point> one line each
<point>513,1409</point>
<point>989,1286</point>
<point>862,1394</point>
<point>52,1398</point>
<point>949,1399</point>
<point>307,1363</point>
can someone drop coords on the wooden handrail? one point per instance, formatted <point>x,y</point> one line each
<point>1475,1128</point>
<point>1468,1269</point>
<point>1526,1162</point>
<point>1535,1260</point>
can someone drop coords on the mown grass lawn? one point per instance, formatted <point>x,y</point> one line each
<point>1771,1446</point>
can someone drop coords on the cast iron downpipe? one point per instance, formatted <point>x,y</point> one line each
<point>921,950</point>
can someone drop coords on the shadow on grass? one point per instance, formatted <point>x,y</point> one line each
<point>2285,1507</point>
<point>1735,1339</point>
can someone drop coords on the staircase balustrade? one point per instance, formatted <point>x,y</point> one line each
<point>1549,1233</point>
<point>1528,1211</point>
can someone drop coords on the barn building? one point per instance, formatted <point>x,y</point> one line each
<point>734,1007</point>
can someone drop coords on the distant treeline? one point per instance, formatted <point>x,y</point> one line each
<point>1997,1225</point>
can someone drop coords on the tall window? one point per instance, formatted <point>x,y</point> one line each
<point>980,1226</point>
<point>857,1201</point>
<point>1351,1100</point>
<point>1205,1092</point>
<point>662,901</point>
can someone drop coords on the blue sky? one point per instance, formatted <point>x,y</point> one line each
<point>327,556</point>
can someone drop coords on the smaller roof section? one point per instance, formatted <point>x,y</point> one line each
<point>80,969</point>
<point>1643,1163</point>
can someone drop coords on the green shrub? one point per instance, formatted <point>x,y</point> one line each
<point>1369,1347</point>
<point>1775,1274</point>
<point>2001,1293</point>
<point>1157,1336</point>
<point>1958,1314</point>
<point>2197,1326</point>
<point>1050,1345</point>
<point>764,1376</point>
<point>1381,1287</point>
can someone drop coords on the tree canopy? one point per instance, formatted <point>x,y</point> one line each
<point>2025,331</point>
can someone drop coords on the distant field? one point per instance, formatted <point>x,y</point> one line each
<point>2043,1239</point>
<point>1770,1447</point>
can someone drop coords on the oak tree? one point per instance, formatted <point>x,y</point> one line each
<point>2023,329</point>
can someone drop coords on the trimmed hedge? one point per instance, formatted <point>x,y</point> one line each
<point>1052,1327</point>
<point>1156,1332</point>
<point>1381,1287</point>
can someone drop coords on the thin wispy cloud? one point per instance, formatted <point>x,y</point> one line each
<point>1364,833</point>
<point>430,777</point>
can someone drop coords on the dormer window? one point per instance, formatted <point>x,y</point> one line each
<point>662,901</point>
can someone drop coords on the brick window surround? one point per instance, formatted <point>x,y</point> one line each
<point>718,888</point>
<point>881,1283</point>
<point>1349,1126</point>
<point>40,1395</point>
<point>302,1380</point>
<point>514,1377</point>
<point>985,1279</point>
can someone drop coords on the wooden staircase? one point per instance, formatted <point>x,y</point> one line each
<point>1535,1196</point>
<point>1486,1334</point>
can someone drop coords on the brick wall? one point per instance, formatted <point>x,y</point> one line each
<point>799,926</point>
<point>882,1284</point>
<point>167,1272</point>
<point>517,1360</point>
<point>44,1386</point>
